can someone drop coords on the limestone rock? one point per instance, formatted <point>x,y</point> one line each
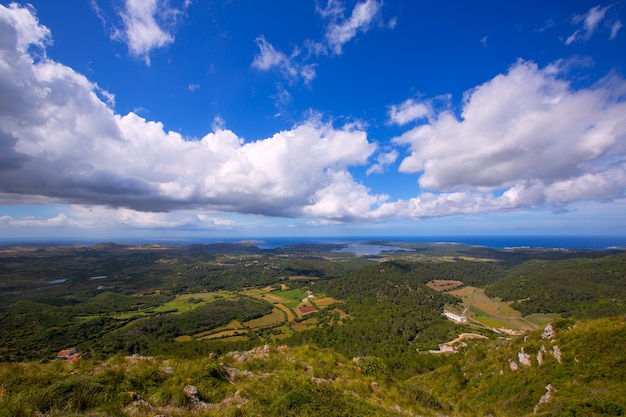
<point>545,399</point>
<point>191,391</point>
<point>524,358</point>
<point>548,332</point>
<point>540,354</point>
<point>233,373</point>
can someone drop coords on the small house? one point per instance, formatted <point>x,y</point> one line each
<point>70,355</point>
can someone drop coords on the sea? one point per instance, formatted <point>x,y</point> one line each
<point>499,242</point>
<point>363,243</point>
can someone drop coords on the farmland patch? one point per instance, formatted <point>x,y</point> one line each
<point>444,285</point>
<point>275,318</point>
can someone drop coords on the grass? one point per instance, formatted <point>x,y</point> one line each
<point>479,299</point>
<point>497,313</point>
<point>542,319</point>
<point>506,310</point>
<point>233,325</point>
<point>275,318</point>
<point>294,297</point>
<point>493,322</point>
<point>234,339</point>
<point>324,302</point>
<point>188,302</point>
<point>444,284</point>
<point>182,304</point>
<point>224,334</point>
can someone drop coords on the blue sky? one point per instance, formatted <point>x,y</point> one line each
<point>129,118</point>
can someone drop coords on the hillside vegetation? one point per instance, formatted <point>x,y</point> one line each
<point>201,330</point>
<point>581,287</point>
<point>587,378</point>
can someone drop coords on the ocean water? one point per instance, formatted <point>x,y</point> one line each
<point>357,243</point>
<point>499,242</point>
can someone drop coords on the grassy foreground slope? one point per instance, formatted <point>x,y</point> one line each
<point>585,379</point>
<point>583,367</point>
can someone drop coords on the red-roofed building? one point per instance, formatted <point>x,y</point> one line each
<point>70,355</point>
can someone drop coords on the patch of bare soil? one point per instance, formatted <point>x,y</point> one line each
<point>444,285</point>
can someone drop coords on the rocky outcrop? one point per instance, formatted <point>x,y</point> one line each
<point>524,358</point>
<point>247,355</point>
<point>233,373</point>
<point>545,399</point>
<point>191,392</point>
<point>138,405</point>
<point>548,332</point>
<point>540,354</point>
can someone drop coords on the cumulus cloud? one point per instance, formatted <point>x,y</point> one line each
<point>146,25</point>
<point>382,160</point>
<point>66,145</point>
<point>22,29</point>
<point>589,22</point>
<point>343,200</point>
<point>101,217</point>
<point>408,111</point>
<point>525,138</point>
<point>60,220</point>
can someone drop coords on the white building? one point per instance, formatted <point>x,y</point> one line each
<point>455,317</point>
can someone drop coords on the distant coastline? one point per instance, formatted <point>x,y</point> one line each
<point>497,242</point>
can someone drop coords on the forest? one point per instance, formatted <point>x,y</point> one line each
<point>308,330</point>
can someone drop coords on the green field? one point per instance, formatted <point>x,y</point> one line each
<point>497,314</point>
<point>295,296</point>
<point>181,304</point>
<point>275,318</point>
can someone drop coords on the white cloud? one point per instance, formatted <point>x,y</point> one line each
<point>147,25</point>
<point>218,123</point>
<point>59,141</point>
<point>382,160</point>
<point>22,30</point>
<point>393,22</point>
<point>615,27</point>
<point>339,32</point>
<point>589,22</point>
<point>343,199</point>
<point>269,58</point>
<point>409,111</point>
<point>525,139</point>
<point>60,220</point>
<point>332,10</point>
<point>88,217</point>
